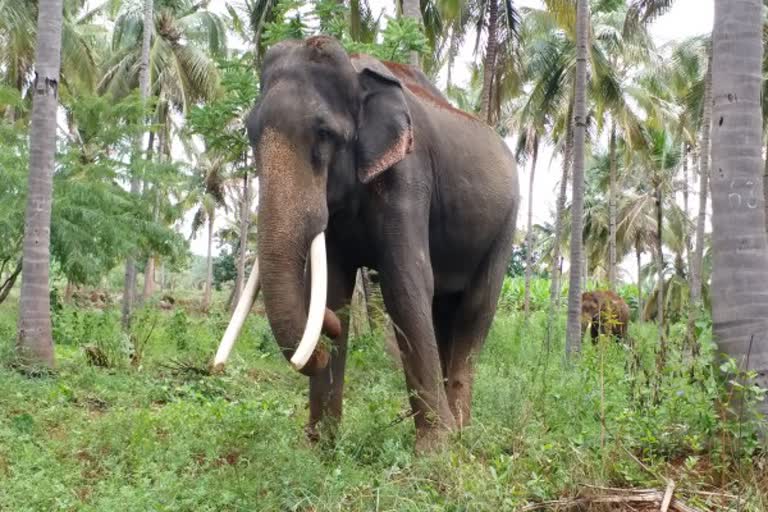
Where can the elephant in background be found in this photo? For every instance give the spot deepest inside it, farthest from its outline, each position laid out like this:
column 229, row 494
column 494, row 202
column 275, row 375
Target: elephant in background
column 604, row 312
column 365, row 164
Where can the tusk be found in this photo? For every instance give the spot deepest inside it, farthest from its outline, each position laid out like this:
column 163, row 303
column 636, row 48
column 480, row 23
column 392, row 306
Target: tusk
column 317, row 297
column 247, row 298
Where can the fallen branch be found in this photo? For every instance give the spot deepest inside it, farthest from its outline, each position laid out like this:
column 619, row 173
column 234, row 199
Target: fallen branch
column 665, row 500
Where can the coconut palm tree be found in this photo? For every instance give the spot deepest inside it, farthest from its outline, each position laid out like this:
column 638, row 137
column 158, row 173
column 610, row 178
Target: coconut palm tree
column 80, row 39
column 642, row 12
column 739, row 304
column 412, row 9
column 661, row 160
column 573, row 330
column 35, row 339
column 184, row 40
column 529, row 142
column 249, row 18
column 673, row 277
column 704, row 160
column 129, row 290
column 551, row 69
column 498, row 21
column 172, row 61
column 614, row 92
column 209, row 194
column 636, row 231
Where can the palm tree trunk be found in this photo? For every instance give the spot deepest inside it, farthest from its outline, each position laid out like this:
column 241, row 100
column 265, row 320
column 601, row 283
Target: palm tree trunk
column 412, row 9
column 129, row 289
column 638, row 256
column 529, row 237
column 686, row 230
column 698, row 256
column 453, row 49
column 209, row 266
column 557, row 268
column 739, row 301
column 149, row 278
column 557, row 257
column 354, row 20
column 573, row 330
column 35, row 339
column 243, row 243
column 612, row 213
column 151, row 265
column 489, row 65
column 765, row 186
column 660, row 270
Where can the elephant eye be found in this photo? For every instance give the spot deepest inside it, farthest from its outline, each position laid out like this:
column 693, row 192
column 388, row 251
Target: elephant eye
column 325, row 135
column 322, row 149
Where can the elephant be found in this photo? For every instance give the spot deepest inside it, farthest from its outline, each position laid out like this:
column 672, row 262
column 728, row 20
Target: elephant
column 604, row 312
column 364, row 163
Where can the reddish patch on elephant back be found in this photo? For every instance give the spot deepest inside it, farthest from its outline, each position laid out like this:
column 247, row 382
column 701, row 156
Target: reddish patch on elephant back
column 416, row 84
column 319, row 41
column 400, row 70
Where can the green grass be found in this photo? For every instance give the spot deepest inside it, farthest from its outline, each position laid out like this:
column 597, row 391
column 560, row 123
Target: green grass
column 157, row 436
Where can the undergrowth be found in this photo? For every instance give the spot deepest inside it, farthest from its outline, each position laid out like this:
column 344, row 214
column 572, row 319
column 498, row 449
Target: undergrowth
column 158, row 433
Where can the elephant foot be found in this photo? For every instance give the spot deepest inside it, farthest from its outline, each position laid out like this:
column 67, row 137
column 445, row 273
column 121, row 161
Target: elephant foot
column 313, row 436
column 322, row 433
column 460, row 399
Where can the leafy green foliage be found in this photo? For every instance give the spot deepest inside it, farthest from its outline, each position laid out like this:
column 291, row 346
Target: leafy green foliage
column 289, row 23
column 13, row 186
column 400, row 36
column 95, row 221
column 221, row 122
column 224, row 270
column 513, row 294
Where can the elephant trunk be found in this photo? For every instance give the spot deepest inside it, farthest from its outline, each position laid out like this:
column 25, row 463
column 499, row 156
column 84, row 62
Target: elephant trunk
column 292, row 219
column 296, row 330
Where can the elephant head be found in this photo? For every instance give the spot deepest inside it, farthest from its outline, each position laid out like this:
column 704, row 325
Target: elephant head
column 323, row 127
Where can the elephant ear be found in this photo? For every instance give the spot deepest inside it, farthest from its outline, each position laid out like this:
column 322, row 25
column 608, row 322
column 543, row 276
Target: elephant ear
column 385, row 133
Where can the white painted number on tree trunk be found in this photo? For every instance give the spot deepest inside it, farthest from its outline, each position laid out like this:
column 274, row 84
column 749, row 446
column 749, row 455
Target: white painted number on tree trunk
column 735, row 199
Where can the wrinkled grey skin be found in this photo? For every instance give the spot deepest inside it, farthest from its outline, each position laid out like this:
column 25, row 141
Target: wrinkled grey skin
column 401, row 182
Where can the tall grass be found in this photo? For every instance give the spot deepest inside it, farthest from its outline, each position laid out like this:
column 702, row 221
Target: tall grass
column 158, row 436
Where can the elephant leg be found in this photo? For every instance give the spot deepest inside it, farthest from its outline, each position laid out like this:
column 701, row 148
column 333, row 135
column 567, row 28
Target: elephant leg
column 407, row 285
column 327, row 387
column 443, row 309
column 472, row 320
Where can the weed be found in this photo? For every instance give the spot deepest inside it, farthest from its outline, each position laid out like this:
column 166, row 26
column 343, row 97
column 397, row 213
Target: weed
column 165, row 435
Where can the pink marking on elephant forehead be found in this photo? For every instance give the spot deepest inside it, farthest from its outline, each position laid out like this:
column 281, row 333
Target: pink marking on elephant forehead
column 392, row 155
column 286, row 175
column 276, row 152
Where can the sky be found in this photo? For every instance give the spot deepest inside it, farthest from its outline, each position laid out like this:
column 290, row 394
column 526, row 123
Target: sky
column 686, row 19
